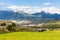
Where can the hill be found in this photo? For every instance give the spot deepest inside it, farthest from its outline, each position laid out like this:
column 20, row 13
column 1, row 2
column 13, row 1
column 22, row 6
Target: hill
column 52, row 25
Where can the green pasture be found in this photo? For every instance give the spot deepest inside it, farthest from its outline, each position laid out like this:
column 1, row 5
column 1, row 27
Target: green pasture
column 48, row 35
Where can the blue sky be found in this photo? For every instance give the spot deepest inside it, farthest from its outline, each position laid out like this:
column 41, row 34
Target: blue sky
column 35, row 3
column 30, row 2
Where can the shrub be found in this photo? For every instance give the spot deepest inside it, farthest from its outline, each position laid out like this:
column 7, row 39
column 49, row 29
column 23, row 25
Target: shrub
column 13, row 24
column 3, row 24
column 9, row 27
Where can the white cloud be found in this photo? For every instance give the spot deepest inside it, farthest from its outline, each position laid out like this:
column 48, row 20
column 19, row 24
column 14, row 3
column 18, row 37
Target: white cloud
column 1, row 4
column 27, row 9
column 47, row 4
column 30, row 9
column 52, row 10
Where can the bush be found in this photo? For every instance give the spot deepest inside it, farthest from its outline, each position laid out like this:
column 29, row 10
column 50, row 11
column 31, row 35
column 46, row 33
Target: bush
column 3, row 24
column 13, row 24
column 2, row 30
column 9, row 27
column 26, row 29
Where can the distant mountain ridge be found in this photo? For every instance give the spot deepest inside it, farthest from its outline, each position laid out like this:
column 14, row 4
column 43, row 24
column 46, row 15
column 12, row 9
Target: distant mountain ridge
column 35, row 18
column 48, row 15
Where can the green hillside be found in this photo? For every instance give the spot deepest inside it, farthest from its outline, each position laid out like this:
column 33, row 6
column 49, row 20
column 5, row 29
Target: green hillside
column 48, row 35
column 52, row 24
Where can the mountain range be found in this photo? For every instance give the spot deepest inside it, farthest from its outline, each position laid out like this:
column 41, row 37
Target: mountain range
column 37, row 17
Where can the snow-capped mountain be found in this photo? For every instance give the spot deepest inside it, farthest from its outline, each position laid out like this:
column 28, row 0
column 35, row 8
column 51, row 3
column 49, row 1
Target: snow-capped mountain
column 35, row 18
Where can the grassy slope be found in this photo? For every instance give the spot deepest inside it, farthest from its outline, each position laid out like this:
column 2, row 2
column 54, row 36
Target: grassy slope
column 51, row 35
column 53, row 22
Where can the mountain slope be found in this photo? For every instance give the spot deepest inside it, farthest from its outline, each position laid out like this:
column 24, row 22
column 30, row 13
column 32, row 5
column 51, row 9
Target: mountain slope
column 48, row 15
column 35, row 18
column 10, row 15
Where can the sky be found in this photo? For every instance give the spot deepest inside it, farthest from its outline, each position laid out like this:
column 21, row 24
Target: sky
column 31, row 6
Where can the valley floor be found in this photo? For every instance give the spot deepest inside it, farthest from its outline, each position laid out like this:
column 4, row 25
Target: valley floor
column 48, row 35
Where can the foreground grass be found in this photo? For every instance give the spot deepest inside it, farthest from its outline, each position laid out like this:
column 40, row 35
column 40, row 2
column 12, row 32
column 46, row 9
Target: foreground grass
column 51, row 35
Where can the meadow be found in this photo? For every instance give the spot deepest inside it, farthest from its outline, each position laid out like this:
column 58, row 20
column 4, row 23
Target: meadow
column 48, row 35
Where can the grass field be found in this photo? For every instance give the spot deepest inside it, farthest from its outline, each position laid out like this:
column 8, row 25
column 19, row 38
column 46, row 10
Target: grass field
column 50, row 35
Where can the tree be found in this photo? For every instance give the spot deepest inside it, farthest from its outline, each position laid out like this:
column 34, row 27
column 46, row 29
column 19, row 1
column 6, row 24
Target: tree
column 9, row 27
column 13, row 24
column 3, row 24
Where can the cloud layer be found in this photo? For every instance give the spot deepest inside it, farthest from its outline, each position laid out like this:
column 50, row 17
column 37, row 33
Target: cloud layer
column 27, row 9
column 30, row 9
